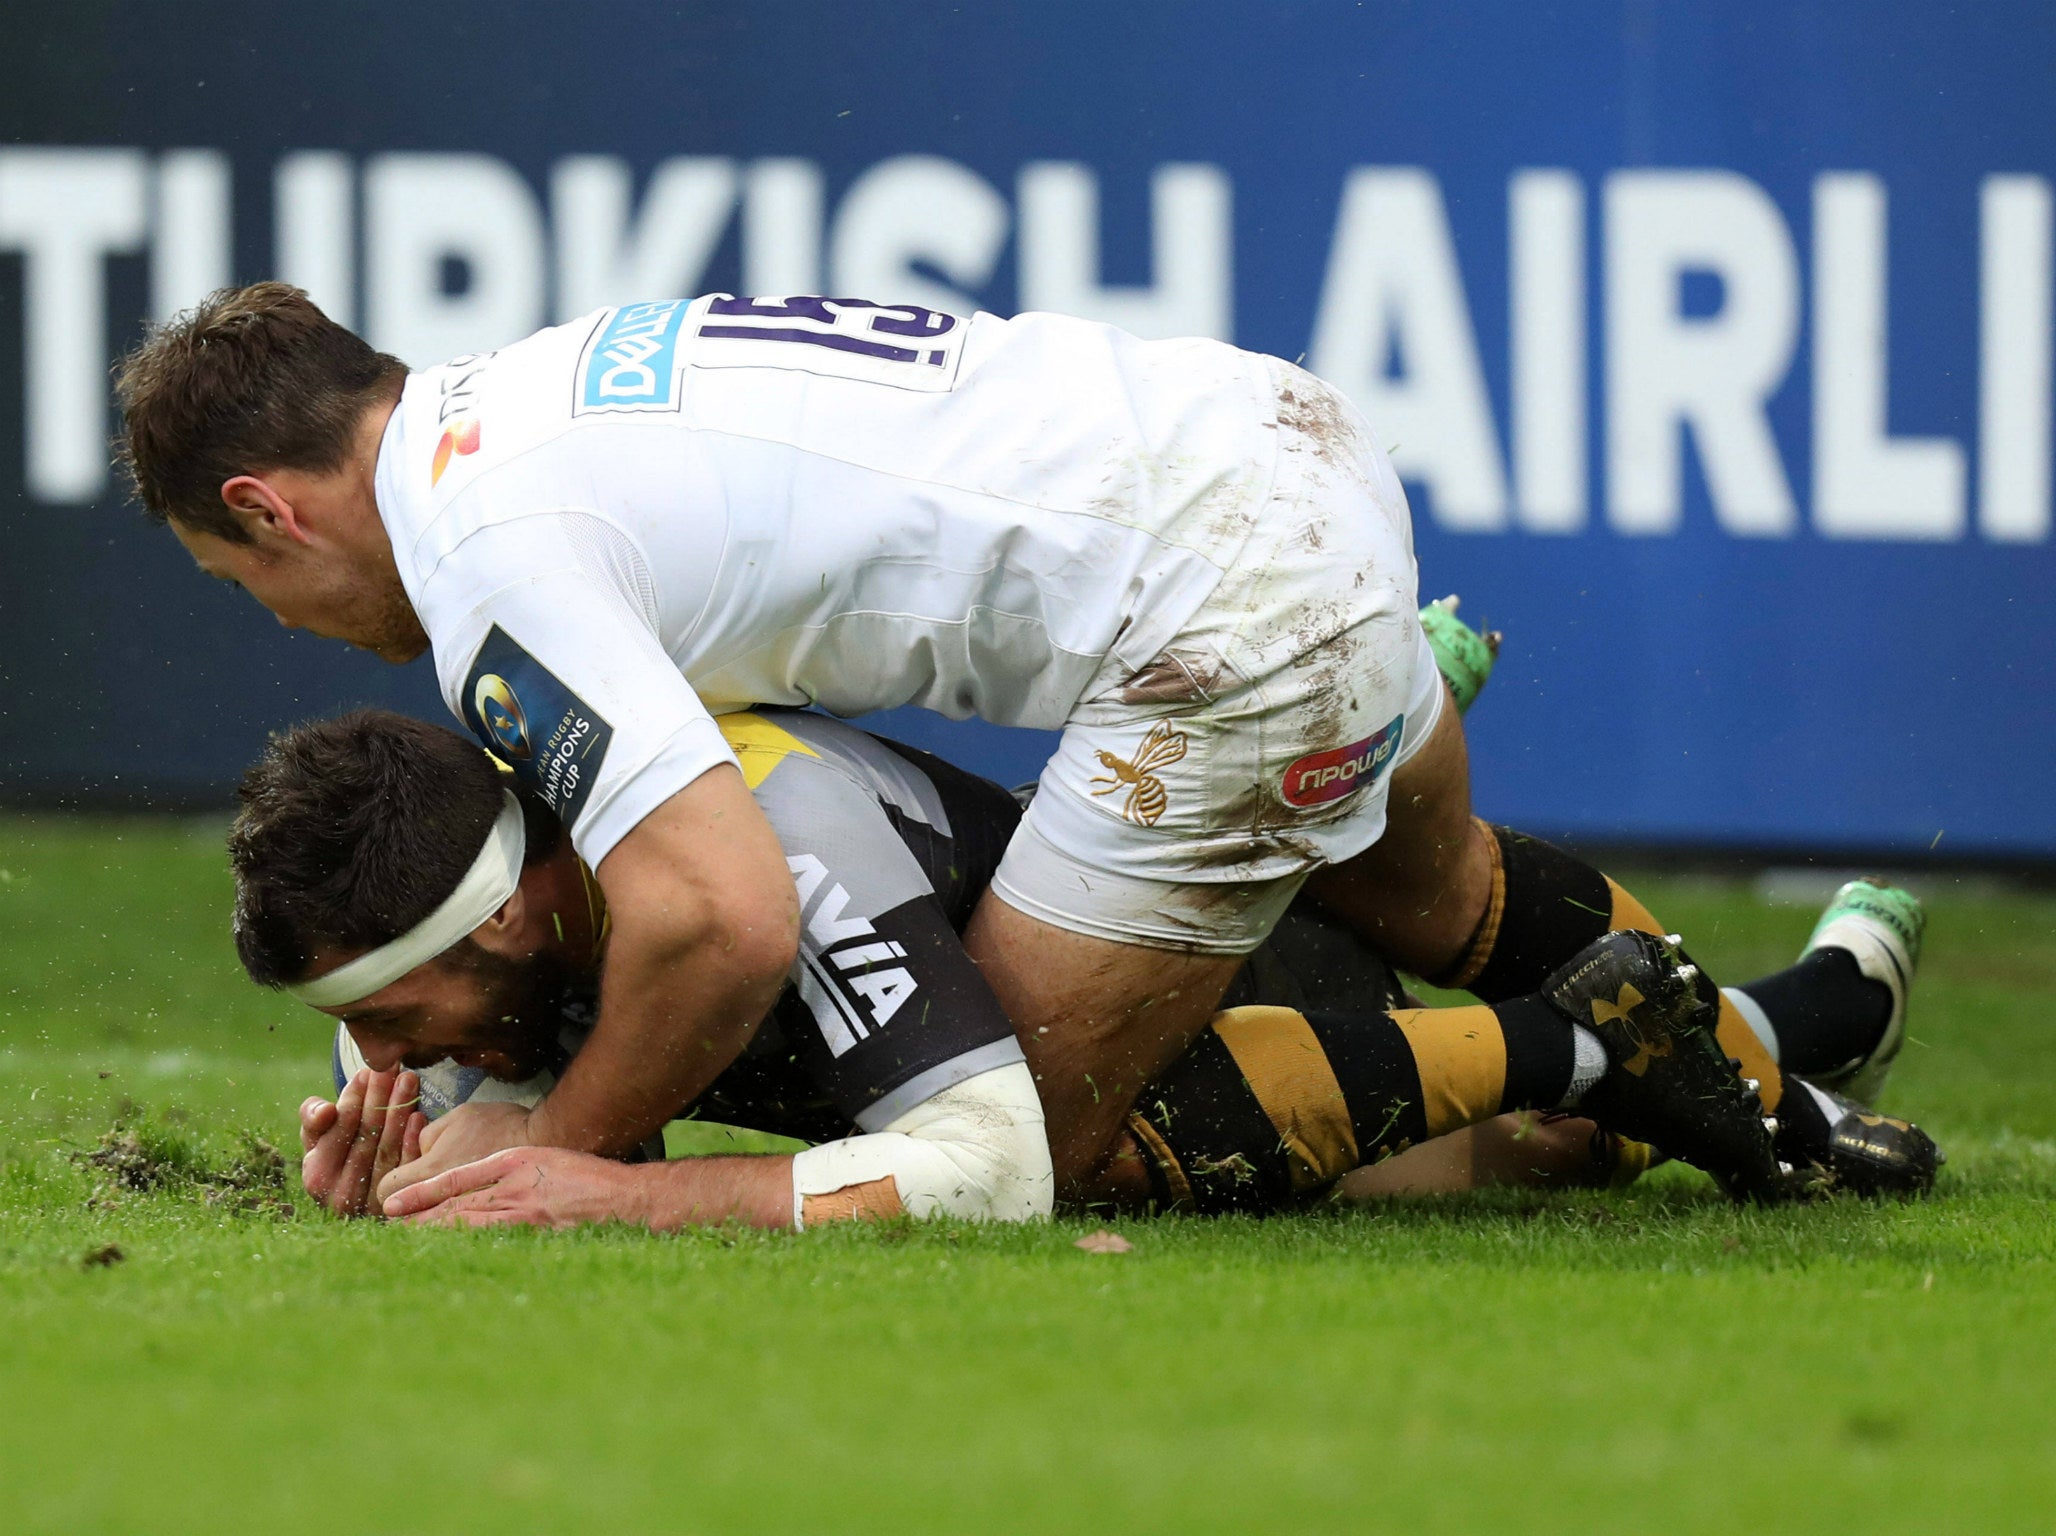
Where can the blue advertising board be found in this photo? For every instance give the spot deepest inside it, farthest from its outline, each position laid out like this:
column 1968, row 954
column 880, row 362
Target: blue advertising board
column 1712, row 340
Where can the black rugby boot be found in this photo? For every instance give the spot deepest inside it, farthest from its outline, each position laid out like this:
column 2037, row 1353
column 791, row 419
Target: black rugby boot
column 1670, row 1084
column 1878, row 1156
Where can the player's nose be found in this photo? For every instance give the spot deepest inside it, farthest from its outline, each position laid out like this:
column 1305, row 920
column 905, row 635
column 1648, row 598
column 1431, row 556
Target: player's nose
column 379, row 1053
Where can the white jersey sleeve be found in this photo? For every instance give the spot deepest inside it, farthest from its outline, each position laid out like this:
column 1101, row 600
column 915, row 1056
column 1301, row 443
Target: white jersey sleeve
column 848, row 504
column 546, row 649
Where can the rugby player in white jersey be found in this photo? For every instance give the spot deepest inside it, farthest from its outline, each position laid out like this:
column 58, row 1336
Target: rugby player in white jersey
column 887, row 1051
column 1193, row 560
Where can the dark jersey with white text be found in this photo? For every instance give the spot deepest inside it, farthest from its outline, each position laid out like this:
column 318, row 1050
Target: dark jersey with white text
column 890, row 849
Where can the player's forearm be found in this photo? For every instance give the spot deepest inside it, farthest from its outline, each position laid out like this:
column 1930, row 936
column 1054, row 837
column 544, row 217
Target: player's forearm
column 704, row 1191
column 676, row 1009
column 705, row 928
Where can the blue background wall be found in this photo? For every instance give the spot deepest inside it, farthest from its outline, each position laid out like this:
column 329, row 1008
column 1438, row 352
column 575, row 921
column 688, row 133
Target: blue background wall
column 1700, row 684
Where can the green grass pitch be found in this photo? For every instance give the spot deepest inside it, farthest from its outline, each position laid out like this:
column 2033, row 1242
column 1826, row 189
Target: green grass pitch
column 1652, row 1361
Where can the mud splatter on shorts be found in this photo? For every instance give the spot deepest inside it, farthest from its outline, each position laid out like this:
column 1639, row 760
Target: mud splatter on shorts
column 1189, row 797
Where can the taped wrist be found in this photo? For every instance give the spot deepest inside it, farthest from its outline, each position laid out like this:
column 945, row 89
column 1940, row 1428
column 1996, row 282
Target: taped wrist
column 976, row 1150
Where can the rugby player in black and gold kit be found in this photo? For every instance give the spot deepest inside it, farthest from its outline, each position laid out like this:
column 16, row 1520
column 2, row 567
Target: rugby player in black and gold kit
column 1315, row 1067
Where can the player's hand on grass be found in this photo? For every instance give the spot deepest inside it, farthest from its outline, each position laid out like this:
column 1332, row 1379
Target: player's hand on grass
column 348, row 1146
column 466, row 1134
column 535, row 1186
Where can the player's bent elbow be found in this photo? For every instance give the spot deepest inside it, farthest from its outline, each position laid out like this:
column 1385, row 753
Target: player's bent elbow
column 754, row 924
column 704, row 873
column 977, row 1151
column 761, row 932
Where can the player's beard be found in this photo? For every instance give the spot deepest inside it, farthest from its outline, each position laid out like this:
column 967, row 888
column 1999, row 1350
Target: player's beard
column 527, row 1006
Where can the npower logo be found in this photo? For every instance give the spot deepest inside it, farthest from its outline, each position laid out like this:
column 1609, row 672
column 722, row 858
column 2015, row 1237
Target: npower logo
column 1611, row 382
column 1321, row 777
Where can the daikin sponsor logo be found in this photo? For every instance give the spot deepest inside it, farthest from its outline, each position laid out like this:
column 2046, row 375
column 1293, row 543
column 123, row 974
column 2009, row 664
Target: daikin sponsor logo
column 631, row 363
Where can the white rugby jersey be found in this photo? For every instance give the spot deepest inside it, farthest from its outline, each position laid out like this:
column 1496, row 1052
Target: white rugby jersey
column 618, row 527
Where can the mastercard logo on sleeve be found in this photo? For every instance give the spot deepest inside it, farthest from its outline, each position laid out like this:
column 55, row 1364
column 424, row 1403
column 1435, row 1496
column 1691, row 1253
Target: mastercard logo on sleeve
column 459, row 438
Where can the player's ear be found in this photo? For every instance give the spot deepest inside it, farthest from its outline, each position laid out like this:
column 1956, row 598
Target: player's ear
column 501, row 932
column 258, row 505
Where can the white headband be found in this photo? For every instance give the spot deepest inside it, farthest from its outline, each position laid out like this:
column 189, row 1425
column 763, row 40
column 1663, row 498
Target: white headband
column 482, row 892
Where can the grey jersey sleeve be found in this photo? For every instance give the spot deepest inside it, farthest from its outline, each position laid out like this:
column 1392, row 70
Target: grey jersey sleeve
column 889, row 850
column 885, row 1009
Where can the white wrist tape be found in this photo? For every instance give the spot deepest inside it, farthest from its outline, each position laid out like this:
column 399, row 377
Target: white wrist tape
column 976, row 1150
column 482, row 892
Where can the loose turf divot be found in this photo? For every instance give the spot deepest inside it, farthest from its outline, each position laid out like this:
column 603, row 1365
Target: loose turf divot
column 138, row 1158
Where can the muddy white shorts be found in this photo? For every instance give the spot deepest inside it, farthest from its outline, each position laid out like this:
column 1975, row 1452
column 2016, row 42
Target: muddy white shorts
column 1187, row 801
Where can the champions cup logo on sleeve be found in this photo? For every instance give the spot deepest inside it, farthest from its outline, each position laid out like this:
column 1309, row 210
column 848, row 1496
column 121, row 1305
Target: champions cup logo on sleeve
column 631, row 361
column 499, row 712
column 1320, row 777
column 459, row 437
column 523, row 714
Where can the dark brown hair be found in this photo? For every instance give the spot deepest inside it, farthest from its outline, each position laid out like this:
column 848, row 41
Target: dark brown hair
column 353, row 830
column 248, row 380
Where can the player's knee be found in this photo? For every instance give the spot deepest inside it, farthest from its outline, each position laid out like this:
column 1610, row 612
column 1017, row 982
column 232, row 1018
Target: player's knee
column 1421, row 898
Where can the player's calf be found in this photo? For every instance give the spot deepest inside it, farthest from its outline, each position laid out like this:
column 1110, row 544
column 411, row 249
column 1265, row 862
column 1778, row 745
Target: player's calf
column 1530, row 1149
column 1834, row 1021
column 1547, row 904
column 1873, row 929
column 1272, row 1105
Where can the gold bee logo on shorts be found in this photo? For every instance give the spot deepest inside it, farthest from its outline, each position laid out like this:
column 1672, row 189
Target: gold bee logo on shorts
column 1146, row 794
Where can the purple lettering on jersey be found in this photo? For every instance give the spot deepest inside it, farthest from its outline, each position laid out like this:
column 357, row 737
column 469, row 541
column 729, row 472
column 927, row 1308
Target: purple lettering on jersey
column 803, row 306
column 827, row 339
column 919, row 321
column 909, row 320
